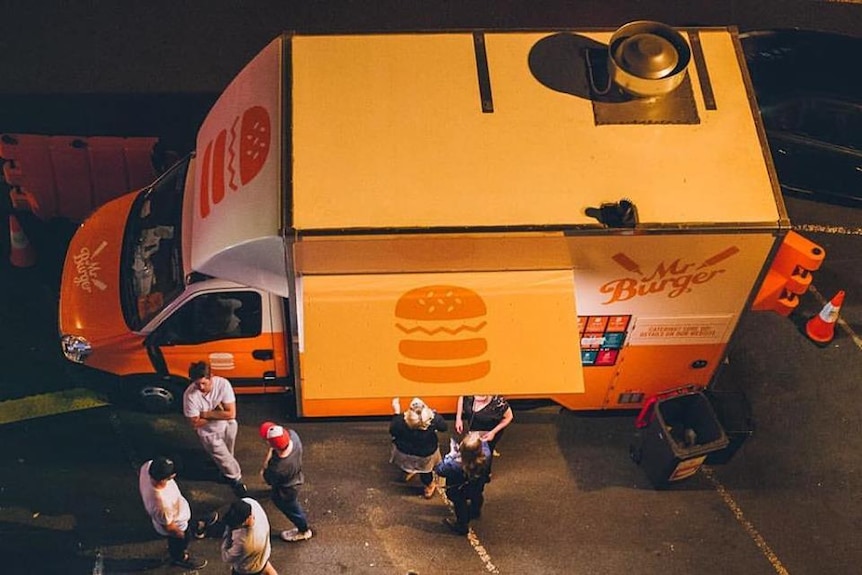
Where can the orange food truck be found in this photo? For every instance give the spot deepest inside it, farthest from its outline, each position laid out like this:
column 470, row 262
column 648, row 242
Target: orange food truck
column 580, row 216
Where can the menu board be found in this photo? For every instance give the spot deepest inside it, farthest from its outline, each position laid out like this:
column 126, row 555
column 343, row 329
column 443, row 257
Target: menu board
column 602, row 338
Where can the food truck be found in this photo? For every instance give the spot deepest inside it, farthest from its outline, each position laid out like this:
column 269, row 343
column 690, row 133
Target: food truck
column 580, row 216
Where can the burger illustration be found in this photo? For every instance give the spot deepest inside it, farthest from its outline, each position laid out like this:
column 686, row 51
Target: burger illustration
column 441, row 327
column 230, row 153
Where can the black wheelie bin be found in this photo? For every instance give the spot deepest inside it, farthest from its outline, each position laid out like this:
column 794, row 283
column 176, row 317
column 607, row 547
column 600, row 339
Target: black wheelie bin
column 676, row 432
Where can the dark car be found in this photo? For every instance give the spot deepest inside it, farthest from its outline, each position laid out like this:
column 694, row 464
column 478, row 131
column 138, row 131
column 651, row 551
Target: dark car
column 809, row 92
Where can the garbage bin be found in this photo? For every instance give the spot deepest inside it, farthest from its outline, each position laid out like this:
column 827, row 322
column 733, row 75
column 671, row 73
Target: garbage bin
column 734, row 414
column 678, row 431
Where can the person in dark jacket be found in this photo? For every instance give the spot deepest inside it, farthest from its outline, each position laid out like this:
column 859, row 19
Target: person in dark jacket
column 488, row 414
column 415, row 447
column 282, row 470
column 466, row 472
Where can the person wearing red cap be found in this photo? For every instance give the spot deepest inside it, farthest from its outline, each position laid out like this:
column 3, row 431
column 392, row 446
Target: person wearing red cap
column 282, row 471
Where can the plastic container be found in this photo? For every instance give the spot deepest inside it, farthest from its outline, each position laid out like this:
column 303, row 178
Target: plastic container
column 678, row 433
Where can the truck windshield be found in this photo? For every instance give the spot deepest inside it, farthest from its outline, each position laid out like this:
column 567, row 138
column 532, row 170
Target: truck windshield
column 151, row 270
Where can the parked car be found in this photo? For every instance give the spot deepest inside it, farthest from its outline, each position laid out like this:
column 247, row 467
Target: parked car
column 810, row 97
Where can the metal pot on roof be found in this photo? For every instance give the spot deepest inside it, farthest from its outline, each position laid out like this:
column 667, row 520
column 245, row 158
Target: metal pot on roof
column 647, row 58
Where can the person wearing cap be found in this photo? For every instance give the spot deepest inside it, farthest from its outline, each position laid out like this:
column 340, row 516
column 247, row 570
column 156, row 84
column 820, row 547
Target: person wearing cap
column 415, row 446
column 209, row 404
column 169, row 511
column 245, row 545
column 282, row 471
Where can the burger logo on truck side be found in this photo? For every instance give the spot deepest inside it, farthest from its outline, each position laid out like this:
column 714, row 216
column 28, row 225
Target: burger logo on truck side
column 441, row 327
column 674, row 278
column 219, row 166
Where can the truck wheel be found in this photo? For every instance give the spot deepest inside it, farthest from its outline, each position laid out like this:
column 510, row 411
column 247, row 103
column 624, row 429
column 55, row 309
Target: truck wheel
column 153, row 394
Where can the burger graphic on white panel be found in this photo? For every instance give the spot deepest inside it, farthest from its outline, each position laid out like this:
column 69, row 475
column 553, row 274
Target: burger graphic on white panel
column 441, row 341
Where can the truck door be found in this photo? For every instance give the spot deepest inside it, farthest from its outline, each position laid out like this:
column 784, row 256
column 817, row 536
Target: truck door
column 230, row 329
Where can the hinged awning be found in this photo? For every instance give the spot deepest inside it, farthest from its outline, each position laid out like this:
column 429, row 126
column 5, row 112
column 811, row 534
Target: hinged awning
column 439, row 334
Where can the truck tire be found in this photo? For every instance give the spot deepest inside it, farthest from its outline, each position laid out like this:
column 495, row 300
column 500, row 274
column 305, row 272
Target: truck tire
column 153, row 394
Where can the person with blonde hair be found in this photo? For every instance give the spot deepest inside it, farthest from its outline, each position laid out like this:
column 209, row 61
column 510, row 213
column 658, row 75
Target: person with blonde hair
column 466, row 471
column 415, row 447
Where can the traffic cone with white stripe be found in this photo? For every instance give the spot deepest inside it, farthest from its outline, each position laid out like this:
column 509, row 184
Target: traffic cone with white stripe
column 821, row 328
column 21, row 253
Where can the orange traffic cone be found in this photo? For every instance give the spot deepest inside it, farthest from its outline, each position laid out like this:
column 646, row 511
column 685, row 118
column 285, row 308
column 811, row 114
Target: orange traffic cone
column 21, row 253
column 821, row 327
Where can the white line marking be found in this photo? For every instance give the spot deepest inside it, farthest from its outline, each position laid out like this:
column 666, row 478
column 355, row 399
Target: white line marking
column 746, row 524
column 99, row 565
column 841, row 323
column 474, row 540
column 839, row 230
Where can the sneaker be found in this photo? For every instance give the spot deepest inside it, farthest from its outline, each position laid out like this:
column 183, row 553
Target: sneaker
column 496, row 453
column 189, row 562
column 203, row 524
column 458, row 528
column 429, row 491
column 239, row 488
column 295, row 535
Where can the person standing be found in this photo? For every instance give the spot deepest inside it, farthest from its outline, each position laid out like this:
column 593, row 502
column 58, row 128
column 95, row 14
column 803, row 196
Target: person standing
column 169, row 511
column 209, row 404
column 282, row 471
column 415, row 446
column 245, row 545
column 488, row 414
column 466, row 471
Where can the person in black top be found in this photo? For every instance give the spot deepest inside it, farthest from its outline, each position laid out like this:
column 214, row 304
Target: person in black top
column 415, row 447
column 487, row 414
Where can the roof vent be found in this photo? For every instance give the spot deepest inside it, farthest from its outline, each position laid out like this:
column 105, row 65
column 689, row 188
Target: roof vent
column 647, row 59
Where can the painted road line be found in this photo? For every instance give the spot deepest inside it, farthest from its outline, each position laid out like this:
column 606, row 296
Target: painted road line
column 836, row 230
column 746, row 524
column 474, row 540
column 841, row 323
column 48, row 404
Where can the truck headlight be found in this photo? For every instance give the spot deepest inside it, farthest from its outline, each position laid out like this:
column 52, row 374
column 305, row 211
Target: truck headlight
column 75, row 348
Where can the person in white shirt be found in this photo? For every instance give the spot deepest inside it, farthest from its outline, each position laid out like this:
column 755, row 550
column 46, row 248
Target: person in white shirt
column 209, row 404
column 246, row 546
column 169, row 511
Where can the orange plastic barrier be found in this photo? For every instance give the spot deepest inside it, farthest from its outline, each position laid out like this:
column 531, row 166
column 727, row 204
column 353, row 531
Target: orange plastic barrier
column 69, row 176
column 789, row 275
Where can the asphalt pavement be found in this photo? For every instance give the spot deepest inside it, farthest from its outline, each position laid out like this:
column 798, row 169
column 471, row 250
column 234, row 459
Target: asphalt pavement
column 566, row 497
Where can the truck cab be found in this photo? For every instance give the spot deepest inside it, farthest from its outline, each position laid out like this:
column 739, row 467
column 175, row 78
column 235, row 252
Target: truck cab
column 130, row 307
